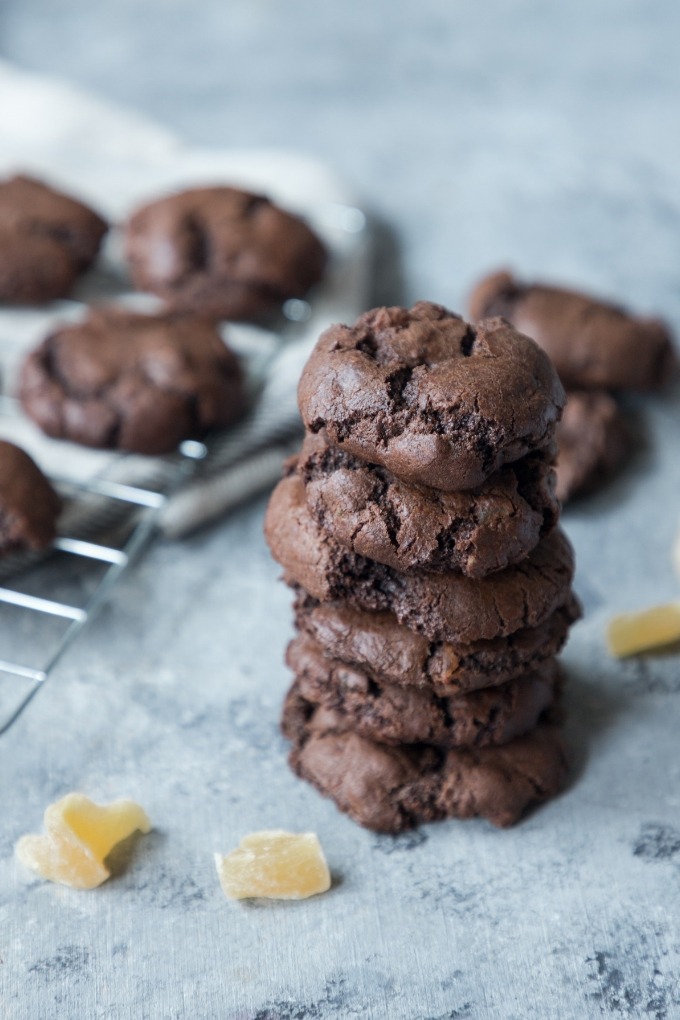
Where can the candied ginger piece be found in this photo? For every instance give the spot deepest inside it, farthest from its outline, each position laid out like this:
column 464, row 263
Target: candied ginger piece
column 80, row 835
column 277, row 864
column 652, row 628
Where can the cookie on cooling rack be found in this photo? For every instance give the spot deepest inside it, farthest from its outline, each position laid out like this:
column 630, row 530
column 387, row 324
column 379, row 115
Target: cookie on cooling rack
column 29, row 506
column 47, row 239
column 126, row 381
column 223, row 251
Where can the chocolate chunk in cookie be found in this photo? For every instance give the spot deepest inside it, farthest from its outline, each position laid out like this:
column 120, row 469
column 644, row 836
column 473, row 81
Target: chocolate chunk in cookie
column 397, row 714
column 132, row 382
column 29, row 506
column 443, row 606
column 593, row 441
column 593, row 344
column 390, row 789
column 223, row 252
column 379, row 644
column 374, row 514
column 436, row 401
column 46, row 240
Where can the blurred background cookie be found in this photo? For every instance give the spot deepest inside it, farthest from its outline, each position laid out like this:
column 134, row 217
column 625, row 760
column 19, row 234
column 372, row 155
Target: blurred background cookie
column 134, row 382
column 594, row 440
column 592, row 343
column 222, row 251
column 29, row 506
column 598, row 349
column 47, row 239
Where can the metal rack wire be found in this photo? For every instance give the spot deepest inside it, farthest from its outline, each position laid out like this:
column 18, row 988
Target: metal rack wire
column 128, row 508
column 114, row 507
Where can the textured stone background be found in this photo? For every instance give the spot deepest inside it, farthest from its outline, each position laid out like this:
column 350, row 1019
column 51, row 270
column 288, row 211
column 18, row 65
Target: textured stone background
column 541, row 135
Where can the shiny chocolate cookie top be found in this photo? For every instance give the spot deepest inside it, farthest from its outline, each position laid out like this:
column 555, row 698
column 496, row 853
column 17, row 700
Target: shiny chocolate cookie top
column 433, row 399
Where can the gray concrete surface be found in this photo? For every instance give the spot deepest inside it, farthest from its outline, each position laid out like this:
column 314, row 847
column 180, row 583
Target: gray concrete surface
column 543, row 135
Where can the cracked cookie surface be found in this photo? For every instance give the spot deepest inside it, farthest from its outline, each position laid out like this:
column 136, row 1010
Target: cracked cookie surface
column 29, row 506
column 223, row 252
column 434, row 400
column 397, row 714
column 443, row 606
column 594, row 344
column 134, row 382
column 373, row 513
column 390, row 789
column 47, row 239
column 377, row 642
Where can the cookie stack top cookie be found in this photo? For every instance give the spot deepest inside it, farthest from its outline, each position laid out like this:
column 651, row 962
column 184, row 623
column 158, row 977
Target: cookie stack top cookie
column 418, row 528
column 433, row 399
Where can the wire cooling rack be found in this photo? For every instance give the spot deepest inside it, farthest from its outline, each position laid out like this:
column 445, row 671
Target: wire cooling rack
column 113, row 503
column 100, row 505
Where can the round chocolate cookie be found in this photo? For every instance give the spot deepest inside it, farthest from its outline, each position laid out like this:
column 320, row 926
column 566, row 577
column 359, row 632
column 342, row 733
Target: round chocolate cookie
column 396, row 714
column 368, row 510
column 132, row 382
column 443, row 606
column 379, row 644
column 436, row 401
column 46, row 240
column 390, row 789
column 29, row 506
column 593, row 441
column 223, row 252
column 592, row 343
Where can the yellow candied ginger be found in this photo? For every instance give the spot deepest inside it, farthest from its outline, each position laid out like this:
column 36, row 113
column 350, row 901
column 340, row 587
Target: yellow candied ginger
column 79, row 836
column 652, row 628
column 279, row 865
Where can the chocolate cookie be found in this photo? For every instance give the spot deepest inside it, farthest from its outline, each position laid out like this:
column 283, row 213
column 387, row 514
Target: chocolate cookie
column 593, row 441
column 132, row 382
column 436, row 401
column 592, row 343
column 366, row 509
column 379, row 644
column 224, row 252
column 396, row 714
column 445, row 606
column 46, row 240
column 390, row 789
column 29, row 506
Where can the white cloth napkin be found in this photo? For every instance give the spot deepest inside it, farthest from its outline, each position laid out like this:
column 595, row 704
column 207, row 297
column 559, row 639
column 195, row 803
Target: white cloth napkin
column 115, row 159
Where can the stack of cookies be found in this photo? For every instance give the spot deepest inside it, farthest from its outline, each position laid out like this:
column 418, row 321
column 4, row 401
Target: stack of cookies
column 433, row 588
